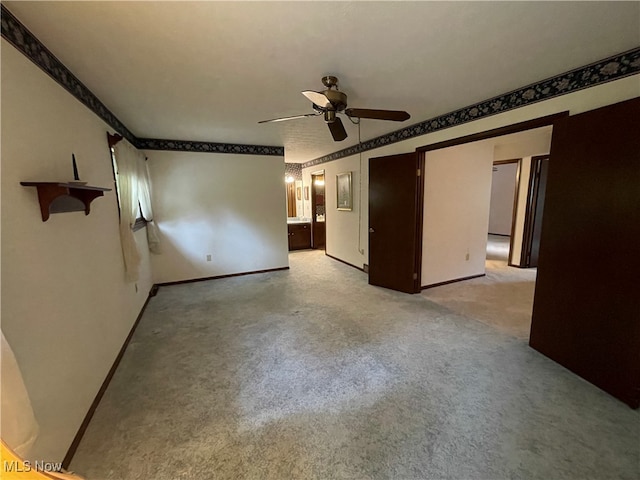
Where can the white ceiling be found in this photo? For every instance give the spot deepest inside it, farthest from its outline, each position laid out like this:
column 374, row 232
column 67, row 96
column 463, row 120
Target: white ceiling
column 210, row 71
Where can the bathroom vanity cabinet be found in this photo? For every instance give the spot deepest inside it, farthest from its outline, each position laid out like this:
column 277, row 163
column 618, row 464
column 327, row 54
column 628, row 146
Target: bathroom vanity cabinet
column 299, row 235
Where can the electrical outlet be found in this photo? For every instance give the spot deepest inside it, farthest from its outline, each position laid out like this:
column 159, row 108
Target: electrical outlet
column 208, row 257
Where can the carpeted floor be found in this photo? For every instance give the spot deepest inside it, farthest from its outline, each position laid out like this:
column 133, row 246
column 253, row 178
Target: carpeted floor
column 503, row 298
column 312, row 373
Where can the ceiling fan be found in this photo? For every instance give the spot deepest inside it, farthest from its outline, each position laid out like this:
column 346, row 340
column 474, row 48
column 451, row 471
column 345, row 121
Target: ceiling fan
column 332, row 101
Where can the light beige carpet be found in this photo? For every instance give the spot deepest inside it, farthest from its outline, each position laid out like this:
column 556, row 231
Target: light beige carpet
column 502, row 299
column 312, row 373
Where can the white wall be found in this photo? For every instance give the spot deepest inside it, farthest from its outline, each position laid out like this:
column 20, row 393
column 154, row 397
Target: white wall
column 232, row 207
column 341, row 223
column 518, row 145
column 347, row 232
column 66, row 309
column 521, row 209
column 503, row 188
column 457, row 189
column 344, row 239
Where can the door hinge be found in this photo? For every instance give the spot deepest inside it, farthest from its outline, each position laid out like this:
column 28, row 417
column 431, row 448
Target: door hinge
column 418, row 172
column 415, row 276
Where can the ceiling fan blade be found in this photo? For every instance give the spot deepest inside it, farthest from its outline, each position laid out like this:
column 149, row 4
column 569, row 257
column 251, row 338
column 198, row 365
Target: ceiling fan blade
column 337, row 130
column 282, row 119
column 317, row 98
column 394, row 115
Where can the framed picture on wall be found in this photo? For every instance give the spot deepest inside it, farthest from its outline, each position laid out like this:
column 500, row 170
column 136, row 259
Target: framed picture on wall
column 306, row 193
column 299, row 193
column 344, row 192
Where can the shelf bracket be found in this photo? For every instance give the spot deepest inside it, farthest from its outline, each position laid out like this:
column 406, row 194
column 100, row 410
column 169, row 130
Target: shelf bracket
column 49, row 192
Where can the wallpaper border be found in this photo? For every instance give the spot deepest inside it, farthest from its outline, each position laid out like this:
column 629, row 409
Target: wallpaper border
column 207, row 147
column 606, row 70
column 612, row 68
column 29, row 45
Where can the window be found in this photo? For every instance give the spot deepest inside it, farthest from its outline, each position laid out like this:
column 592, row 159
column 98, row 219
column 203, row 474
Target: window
column 133, row 188
column 140, row 220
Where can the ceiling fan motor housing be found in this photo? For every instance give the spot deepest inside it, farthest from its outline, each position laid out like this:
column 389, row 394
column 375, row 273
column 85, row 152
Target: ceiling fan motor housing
column 332, row 101
column 338, row 99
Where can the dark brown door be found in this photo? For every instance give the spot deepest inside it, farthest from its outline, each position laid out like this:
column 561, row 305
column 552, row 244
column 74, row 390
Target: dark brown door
column 535, row 209
column 318, row 239
column 536, row 231
column 586, row 312
column 395, row 221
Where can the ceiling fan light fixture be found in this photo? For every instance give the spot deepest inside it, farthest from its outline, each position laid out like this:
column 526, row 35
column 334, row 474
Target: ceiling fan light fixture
column 330, row 116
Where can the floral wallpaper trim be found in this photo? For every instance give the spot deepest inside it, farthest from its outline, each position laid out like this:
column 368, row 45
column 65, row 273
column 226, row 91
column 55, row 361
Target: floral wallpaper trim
column 207, row 147
column 606, row 70
column 28, row 44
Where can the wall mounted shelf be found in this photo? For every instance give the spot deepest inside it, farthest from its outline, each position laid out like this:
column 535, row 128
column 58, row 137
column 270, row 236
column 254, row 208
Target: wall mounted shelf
column 58, row 197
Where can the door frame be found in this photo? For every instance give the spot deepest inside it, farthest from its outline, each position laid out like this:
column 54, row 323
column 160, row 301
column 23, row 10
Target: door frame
column 514, row 208
column 419, row 222
column 314, row 228
column 497, row 132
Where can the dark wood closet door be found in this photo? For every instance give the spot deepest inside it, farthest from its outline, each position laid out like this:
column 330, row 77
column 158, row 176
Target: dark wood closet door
column 395, row 221
column 586, row 312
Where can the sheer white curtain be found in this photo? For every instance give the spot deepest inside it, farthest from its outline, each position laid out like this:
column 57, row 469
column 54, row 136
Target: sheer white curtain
column 127, row 156
column 144, row 185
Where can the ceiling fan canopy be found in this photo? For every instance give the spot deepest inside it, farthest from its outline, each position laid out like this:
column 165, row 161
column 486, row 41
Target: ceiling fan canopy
column 332, row 101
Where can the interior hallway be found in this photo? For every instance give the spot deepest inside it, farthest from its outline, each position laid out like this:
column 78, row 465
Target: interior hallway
column 312, row 373
column 503, row 298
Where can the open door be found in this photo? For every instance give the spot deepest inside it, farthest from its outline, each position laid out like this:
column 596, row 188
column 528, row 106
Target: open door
column 586, row 311
column 535, row 209
column 395, row 221
column 318, row 230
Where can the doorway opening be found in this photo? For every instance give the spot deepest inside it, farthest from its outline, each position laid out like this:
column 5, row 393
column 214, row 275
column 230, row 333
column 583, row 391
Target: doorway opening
column 496, row 289
column 318, row 229
column 502, row 208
